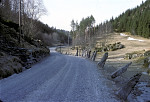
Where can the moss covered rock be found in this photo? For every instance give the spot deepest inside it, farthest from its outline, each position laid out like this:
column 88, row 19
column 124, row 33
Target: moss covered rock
column 137, row 54
column 146, row 62
column 110, row 47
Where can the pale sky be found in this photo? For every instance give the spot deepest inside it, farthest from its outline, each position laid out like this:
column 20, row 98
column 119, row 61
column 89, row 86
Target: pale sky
column 61, row 12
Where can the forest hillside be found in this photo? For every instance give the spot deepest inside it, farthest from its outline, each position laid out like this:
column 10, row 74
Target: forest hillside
column 136, row 20
column 125, row 37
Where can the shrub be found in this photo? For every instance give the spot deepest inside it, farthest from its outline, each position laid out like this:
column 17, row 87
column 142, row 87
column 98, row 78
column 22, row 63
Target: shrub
column 146, row 62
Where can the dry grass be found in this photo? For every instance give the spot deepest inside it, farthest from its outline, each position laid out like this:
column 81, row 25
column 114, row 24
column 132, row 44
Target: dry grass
column 130, row 46
column 116, row 58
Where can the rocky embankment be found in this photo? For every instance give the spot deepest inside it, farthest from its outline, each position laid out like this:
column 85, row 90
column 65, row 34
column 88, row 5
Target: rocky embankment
column 17, row 56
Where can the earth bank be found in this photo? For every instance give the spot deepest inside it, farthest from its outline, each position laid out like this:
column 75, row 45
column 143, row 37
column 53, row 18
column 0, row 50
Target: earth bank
column 17, row 56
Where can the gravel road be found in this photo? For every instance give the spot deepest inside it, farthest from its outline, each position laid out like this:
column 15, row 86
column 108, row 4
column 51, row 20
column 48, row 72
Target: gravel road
column 58, row 78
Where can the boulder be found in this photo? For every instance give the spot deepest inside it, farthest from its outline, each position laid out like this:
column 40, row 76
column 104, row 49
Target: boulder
column 110, row 47
column 137, row 54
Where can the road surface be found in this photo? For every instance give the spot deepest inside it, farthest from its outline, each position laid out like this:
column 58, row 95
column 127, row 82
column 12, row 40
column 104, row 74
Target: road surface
column 58, row 78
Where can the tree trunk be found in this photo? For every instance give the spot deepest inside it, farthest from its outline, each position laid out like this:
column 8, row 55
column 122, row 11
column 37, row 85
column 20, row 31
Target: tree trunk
column 120, row 71
column 103, row 60
column 129, row 86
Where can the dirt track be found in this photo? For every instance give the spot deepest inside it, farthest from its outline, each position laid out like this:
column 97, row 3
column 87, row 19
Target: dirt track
column 58, row 78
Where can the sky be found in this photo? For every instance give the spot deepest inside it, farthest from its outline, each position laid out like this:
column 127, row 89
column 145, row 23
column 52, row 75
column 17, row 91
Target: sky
column 62, row 12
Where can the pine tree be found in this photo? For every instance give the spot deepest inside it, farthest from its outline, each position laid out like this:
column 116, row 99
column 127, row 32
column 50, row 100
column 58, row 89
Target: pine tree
column 136, row 20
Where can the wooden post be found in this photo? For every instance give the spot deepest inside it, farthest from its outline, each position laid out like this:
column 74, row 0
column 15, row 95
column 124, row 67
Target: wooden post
column 68, row 43
column 82, row 53
column 60, row 48
column 85, row 53
column 103, row 60
column 129, row 86
column 89, row 54
column 77, row 52
column 94, row 56
column 120, row 71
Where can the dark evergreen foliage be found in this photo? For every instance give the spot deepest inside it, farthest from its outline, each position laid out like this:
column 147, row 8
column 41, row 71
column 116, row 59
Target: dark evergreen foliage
column 136, row 21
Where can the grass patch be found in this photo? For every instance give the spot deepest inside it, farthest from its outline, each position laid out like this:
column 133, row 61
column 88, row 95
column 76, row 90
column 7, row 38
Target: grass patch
column 140, row 60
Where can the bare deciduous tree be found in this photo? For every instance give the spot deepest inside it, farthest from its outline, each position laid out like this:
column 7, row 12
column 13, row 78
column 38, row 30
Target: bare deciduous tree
column 32, row 10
